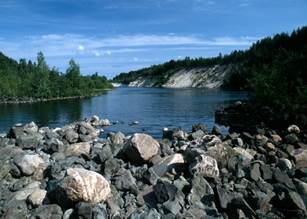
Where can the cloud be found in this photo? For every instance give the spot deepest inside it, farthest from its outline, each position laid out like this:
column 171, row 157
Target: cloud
column 116, row 53
column 81, row 48
column 73, row 44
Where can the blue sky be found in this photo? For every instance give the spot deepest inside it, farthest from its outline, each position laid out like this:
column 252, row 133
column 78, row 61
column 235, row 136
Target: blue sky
column 113, row 36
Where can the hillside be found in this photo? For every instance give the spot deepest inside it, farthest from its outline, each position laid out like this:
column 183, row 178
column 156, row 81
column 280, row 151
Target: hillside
column 200, row 77
column 242, row 66
column 25, row 80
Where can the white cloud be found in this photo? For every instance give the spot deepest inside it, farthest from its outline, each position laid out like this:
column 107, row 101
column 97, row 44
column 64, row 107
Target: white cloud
column 71, row 44
column 81, row 48
column 135, row 59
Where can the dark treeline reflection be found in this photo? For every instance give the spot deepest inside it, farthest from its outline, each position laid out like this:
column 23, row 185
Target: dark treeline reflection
column 44, row 113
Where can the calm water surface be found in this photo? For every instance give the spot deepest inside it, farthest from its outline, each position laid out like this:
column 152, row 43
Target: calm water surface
column 154, row 108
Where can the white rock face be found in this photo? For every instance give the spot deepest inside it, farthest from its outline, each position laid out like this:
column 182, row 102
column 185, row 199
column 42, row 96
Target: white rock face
column 141, row 148
column 78, row 149
column 30, row 163
column 206, row 166
column 84, row 185
column 209, row 77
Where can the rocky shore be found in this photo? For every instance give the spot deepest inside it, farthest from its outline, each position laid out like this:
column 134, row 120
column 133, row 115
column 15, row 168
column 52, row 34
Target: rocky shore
column 71, row 172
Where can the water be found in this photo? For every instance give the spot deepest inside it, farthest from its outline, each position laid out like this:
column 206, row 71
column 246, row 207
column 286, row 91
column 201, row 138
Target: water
column 153, row 108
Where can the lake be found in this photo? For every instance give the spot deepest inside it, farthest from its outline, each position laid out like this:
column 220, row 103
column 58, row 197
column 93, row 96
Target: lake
column 153, row 108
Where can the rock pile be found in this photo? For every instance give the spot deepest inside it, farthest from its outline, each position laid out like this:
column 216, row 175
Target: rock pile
column 71, row 172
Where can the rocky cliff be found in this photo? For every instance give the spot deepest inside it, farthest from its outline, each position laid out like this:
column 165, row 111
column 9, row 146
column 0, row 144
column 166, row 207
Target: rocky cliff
column 205, row 77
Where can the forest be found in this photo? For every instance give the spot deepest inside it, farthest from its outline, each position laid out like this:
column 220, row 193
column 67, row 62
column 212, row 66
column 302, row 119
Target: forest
column 26, row 79
column 273, row 70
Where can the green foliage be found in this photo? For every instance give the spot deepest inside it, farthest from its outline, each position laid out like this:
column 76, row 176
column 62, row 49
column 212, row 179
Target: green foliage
column 273, row 70
column 27, row 79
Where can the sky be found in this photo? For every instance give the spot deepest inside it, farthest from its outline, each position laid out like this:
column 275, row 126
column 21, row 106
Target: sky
column 114, row 36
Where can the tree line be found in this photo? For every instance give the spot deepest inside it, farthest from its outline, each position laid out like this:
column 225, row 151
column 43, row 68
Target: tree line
column 37, row 80
column 273, row 70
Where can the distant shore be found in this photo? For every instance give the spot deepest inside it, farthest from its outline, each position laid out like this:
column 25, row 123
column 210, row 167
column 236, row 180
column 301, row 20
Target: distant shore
column 23, row 100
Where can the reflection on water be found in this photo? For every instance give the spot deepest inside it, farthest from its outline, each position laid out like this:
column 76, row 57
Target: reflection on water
column 154, row 108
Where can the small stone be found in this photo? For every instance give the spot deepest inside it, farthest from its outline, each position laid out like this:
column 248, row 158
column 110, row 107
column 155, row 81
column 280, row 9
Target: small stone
column 276, row 138
column 199, row 126
column 261, row 140
column 123, row 180
column 245, row 155
column 238, row 142
column 141, row 148
column 77, row 149
column 198, row 134
column 84, row 185
column 117, row 138
column 216, row 131
column 37, row 197
column 47, row 211
column 68, row 214
column 269, row 146
column 175, row 161
column 300, row 156
column 294, row 129
column 266, row 171
column 164, row 191
column 29, row 141
column 29, row 163
column 105, row 122
column 283, row 178
column 205, row 165
column 284, row 164
column 83, row 210
column 255, row 172
column 296, row 200
column 71, row 136
column 94, row 120
column 291, row 138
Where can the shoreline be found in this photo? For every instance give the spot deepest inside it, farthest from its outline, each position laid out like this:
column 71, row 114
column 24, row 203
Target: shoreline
column 30, row 100
column 200, row 172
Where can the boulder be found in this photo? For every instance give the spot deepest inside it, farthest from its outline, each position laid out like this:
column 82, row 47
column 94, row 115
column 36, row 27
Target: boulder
column 141, row 148
column 47, row 211
column 294, row 129
column 117, row 138
column 71, row 136
column 205, row 165
column 94, row 120
column 300, row 156
column 164, row 191
column 77, row 149
column 244, row 155
column 30, row 141
column 123, row 180
column 84, row 185
column 29, row 164
column 296, row 201
column 105, row 122
column 37, row 197
column 255, row 172
column 83, row 210
column 167, row 163
column 54, row 145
